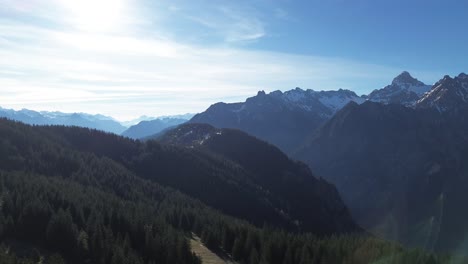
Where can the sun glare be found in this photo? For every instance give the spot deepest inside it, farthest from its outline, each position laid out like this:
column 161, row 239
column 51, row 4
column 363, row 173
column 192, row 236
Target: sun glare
column 92, row 15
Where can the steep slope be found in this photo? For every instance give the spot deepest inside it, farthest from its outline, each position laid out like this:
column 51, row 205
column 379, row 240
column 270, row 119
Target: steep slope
column 99, row 122
column 283, row 119
column 290, row 185
column 151, row 127
column 404, row 90
column 401, row 171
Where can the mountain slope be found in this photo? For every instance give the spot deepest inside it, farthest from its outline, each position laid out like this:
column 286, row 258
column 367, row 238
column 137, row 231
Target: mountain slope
column 400, row 171
column 99, row 122
column 290, row 185
column 272, row 116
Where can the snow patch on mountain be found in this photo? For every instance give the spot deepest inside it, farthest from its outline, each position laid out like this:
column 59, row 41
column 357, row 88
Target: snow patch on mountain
column 448, row 94
column 338, row 102
column 326, row 102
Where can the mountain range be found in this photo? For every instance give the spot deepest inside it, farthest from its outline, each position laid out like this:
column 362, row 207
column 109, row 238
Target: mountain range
column 141, row 127
column 287, row 119
column 269, row 116
column 136, row 121
column 31, row 117
column 395, row 155
column 283, row 119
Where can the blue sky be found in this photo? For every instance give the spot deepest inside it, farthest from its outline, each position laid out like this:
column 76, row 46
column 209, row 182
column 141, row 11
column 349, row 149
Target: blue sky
column 127, row 58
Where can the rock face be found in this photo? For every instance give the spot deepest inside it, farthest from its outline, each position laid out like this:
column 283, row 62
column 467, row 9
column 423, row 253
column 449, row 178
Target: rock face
column 404, row 90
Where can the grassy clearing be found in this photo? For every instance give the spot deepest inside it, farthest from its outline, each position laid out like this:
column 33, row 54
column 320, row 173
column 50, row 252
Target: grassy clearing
column 208, row 256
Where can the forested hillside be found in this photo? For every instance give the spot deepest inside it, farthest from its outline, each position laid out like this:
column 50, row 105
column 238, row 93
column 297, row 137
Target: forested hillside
column 311, row 202
column 60, row 204
column 288, row 196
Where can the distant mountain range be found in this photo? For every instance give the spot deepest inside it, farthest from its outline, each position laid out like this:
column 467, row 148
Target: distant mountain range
column 99, row 122
column 287, row 119
column 282, row 118
column 136, row 121
column 138, row 128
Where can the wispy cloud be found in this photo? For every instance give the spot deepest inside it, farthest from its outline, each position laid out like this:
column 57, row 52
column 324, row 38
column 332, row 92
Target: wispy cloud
column 130, row 73
column 224, row 20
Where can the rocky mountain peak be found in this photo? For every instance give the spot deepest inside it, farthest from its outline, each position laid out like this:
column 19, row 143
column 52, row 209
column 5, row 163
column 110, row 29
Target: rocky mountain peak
column 405, row 78
column 463, row 76
column 261, row 93
column 405, row 90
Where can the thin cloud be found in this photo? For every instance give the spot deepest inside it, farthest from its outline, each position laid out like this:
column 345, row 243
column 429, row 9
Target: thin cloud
column 126, row 75
column 231, row 23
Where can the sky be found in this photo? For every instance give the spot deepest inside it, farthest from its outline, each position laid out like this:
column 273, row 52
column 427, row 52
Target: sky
column 127, row 58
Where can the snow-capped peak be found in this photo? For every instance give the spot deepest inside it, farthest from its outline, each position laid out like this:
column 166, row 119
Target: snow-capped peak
column 404, row 90
column 295, row 95
column 335, row 100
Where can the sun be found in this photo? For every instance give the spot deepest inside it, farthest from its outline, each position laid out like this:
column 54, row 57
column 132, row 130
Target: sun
column 94, row 15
